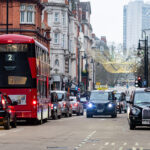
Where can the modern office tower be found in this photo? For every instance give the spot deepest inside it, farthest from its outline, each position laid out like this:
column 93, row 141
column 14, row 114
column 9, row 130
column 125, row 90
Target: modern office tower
column 136, row 17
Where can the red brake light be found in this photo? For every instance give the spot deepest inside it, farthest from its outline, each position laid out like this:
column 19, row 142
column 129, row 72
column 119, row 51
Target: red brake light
column 76, row 104
column 34, row 102
column 64, row 104
column 52, row 106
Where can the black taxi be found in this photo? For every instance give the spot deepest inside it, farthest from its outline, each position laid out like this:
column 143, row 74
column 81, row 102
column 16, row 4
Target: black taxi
column 139, row 108
column 102, row 103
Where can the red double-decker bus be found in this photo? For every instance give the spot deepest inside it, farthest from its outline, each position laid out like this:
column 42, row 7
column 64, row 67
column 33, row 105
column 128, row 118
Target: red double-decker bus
column 24, row 76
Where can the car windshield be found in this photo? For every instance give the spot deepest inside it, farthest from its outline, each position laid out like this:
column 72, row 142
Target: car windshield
column 60, row 96
column 142, row 98
column 117, row 95
column 101, row 96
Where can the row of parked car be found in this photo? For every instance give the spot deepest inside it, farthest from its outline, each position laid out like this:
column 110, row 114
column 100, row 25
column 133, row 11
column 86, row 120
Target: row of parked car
column 64, row 105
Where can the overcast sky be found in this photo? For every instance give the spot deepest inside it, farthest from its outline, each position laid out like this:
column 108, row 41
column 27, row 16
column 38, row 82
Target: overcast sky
column 107, row 18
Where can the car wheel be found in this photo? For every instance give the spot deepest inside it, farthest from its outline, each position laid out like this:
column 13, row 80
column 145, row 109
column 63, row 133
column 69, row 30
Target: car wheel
column 14, row 123
column 132, row 126
column 120, row 110
column 82, row 112
column 55, row 116
column 70, row 115
column 89, row 116
column 67, row 114
column 7, row 123
column 114, row 116
column 41, row 121
column 59, row 117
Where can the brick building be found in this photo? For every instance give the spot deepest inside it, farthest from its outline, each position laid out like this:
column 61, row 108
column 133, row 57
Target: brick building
column 25, row 17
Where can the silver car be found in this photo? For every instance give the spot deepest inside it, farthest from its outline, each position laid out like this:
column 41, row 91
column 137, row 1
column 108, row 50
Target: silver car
column 63, row 99
column 77, row 106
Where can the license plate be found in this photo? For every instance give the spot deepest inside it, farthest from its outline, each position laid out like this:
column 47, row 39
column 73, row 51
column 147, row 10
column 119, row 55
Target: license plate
column 145, row 122
column 100, row 110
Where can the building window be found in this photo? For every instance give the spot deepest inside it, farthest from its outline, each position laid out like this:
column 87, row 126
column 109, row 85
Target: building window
column 27, row 14
column 64, row 19
column 56, row 38
column 56, row 18
column 57, row 62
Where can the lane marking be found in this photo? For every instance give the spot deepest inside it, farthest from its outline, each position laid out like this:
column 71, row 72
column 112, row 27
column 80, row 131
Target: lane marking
column 124, row 144
column 136, row 144
column 112, row 144
column 85, row 140
column 133, row 148
column 121, row 148
column 107, row 143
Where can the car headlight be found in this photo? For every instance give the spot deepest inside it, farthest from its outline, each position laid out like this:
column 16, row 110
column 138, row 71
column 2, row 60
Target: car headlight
column 90, row 105
column 135, row 111
column 110, row 105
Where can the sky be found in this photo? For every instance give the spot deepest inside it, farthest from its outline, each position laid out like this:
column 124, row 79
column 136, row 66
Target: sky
column 107, row 19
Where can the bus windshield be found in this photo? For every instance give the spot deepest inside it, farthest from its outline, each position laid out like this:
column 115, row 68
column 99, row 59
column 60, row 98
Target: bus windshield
column 15, row 70
column 13, row 48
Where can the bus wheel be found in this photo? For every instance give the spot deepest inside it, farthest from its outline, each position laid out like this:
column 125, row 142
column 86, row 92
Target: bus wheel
column 41, row 121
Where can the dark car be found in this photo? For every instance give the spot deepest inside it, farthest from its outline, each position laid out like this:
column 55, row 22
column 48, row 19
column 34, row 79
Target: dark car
column 139, row 108
column 56, row 111
column 121, row 102
column 63, row 98
column 102, row 103
column 7, row 112
column 77, row 106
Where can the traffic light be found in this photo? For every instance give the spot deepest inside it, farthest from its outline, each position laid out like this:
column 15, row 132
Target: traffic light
column 139, row 82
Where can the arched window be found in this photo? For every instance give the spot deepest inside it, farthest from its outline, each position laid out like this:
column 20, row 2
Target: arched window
column 57, row 62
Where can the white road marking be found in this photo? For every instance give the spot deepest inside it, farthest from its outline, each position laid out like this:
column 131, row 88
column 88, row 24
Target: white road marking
column 85, row 140
column 112, row 144
column 136, row 144
column 133, row 148
column 141, row 148
column 121, row 148
column 124, row 144
column 106, row 143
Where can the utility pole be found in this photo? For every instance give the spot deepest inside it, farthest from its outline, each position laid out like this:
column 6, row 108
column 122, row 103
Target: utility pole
column 7, row 11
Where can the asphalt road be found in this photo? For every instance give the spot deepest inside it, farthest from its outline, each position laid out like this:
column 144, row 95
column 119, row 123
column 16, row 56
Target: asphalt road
column 76, row 133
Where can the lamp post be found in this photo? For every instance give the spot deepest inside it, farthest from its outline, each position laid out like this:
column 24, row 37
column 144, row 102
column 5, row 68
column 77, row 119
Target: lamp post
column 145, row 56
column 92, row 61
column 7, row 11
column 79, row 47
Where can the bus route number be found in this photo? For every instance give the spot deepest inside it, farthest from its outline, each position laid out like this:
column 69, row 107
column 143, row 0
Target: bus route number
column 9, row 57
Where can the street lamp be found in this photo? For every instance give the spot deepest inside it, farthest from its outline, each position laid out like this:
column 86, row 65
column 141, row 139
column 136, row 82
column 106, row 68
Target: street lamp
column 145, row 56
column 92, row 61
column 86, row 68
column 79, row 47
column 7, row 11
